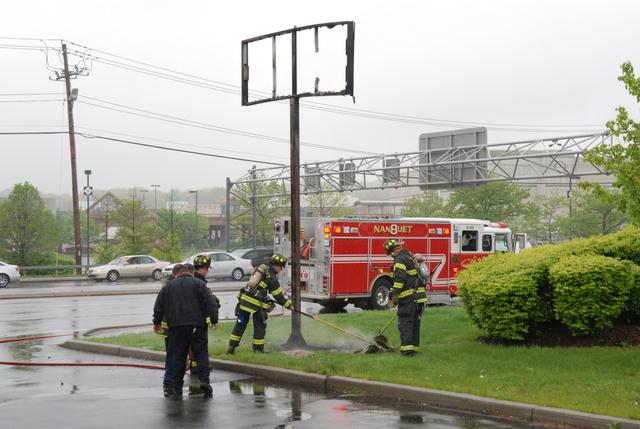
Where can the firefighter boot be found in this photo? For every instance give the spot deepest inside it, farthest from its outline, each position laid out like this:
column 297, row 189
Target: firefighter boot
column 259, row 349
column 232, row 349
column 207, row 390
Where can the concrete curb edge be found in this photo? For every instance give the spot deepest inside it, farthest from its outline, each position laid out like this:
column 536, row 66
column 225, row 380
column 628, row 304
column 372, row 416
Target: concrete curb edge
column 431, row 397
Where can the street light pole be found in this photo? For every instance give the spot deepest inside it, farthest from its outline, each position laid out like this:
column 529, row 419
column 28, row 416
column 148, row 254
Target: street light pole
column 155, row 198
column 88, row 191
column 196, row 192
column 144, row 191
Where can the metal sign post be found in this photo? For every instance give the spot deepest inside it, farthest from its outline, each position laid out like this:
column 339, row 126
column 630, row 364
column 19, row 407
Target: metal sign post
column 296, row 338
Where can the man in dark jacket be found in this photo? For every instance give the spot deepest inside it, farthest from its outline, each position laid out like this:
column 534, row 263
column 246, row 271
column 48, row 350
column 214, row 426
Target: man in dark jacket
column 254, row 302
column 408, row 294
column 186, row 303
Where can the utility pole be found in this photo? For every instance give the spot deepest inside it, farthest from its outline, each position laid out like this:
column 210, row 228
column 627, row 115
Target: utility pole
column 88, row 191
column 155, row 198
column 227, row 217
column 196, row 192
column 74, row 173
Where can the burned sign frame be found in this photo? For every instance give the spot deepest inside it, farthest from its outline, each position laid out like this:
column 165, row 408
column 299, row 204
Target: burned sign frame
column 296, row 338
column 349, row 52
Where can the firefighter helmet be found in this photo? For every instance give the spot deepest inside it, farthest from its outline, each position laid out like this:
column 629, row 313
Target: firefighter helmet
column 391, row 244
column 278, row 259
column 202, row 261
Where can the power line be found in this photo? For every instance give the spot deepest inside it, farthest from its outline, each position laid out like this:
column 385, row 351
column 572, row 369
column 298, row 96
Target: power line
column 178, row 143
column 28, row 133
column 113, row 139
column 372, row 114
column 28, row 101
column 203, row 125
column 20, row 94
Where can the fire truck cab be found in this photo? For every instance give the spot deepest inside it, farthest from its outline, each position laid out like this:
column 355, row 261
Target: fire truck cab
column 343, row 259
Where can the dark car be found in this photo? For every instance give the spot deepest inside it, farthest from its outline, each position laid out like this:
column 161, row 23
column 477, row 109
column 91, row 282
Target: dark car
column 260, row 255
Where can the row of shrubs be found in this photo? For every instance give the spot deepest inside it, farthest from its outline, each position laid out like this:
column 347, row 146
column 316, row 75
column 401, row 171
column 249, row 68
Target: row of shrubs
column 585, row 284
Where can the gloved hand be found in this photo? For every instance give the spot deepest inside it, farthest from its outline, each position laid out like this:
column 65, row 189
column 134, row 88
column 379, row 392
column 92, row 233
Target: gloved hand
column 395, row 299
column 287, row 304
column 157, row 328
column 217, row 301
column 390, row 304
column 271, row 307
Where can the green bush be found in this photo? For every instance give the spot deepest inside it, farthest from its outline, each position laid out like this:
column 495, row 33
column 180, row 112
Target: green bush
column 590, row 291
column 633, row 302
column 49, row 259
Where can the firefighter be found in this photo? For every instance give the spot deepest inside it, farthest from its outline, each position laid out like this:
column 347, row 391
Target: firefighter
column 201, row 265
column 253, row 301
column 164, row 330
column 186, row 302
column 407, row 294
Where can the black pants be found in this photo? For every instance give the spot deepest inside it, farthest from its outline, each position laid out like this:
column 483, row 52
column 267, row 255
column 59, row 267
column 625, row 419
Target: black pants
column 180, row 339
column 259, row 328
column 409, row 315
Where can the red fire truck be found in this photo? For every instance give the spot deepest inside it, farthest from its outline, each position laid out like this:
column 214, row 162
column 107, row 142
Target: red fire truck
column 343, row 260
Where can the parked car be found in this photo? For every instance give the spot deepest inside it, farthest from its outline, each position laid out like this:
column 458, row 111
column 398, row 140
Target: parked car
column 223, row 265
column 259, row 255
column 141, row 266
column 8, row 273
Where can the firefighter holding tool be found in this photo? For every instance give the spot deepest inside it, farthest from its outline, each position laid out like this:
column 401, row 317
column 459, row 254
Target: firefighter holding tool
column 408, row 293
column 253, row 302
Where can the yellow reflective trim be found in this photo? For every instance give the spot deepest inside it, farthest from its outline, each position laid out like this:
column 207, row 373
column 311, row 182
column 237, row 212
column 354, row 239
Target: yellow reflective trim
column 405, row 293
column 259, row 342
column 398, row 285
column 251, row 300
column 164, row 324
column 407, row 348
column 400, row 266
column 421, row 300
column 266, row 305
column 247, row 309
column 277, row 291
column 234, row 337
column 262, row 284
column 412, row 272
column 420, row 289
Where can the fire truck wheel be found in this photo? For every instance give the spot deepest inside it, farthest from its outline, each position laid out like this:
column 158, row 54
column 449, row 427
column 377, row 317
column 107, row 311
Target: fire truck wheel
column 380, row 294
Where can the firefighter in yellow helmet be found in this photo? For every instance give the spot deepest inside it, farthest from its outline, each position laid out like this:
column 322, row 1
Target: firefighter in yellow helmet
column 408, row 294
column 253, row 302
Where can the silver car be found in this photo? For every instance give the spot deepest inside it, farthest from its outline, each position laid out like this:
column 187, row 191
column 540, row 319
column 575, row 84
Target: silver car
column 223, row 265
column 8, row 273
column 140, row 266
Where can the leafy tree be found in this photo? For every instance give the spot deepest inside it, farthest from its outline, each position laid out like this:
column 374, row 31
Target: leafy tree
column 267, row 210
column 170, row 249
column 623, row 161
column 426, row 204
column 327, row 203
column 496, row 201
column 105, row 252
column 27, row 227
column 184, row 225
column 551, row 210
column 595, row 211
column 135, row 233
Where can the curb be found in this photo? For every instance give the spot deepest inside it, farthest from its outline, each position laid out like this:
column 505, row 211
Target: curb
column 103, row 292
column 424, row 396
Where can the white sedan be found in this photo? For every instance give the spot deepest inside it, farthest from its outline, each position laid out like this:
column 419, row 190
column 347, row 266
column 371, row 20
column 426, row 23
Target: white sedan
column 8, row 273
column 223, row 265
column 141, row 266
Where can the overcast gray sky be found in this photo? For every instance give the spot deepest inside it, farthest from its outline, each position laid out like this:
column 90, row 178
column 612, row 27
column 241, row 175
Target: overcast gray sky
column 485, row 62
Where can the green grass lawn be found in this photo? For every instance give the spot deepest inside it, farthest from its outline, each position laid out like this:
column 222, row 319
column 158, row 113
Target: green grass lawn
column 602, row 380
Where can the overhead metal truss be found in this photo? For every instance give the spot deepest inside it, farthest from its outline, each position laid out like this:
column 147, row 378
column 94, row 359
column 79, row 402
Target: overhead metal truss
column 558, row 157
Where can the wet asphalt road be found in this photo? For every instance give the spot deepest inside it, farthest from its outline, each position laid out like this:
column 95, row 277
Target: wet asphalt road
column 95, row 397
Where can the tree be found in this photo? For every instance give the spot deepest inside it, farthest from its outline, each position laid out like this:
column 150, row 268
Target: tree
column 135, row 233
column 267, row 209
column 27, row 227
column 496, row 201
column 184, row 225
column 595, row 211
column 327, row 203
column 623, row 161
column 171, row 248
column 426, row 204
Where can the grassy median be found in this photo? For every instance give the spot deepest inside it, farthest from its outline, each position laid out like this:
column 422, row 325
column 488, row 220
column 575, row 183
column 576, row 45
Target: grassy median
column 602, row 380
